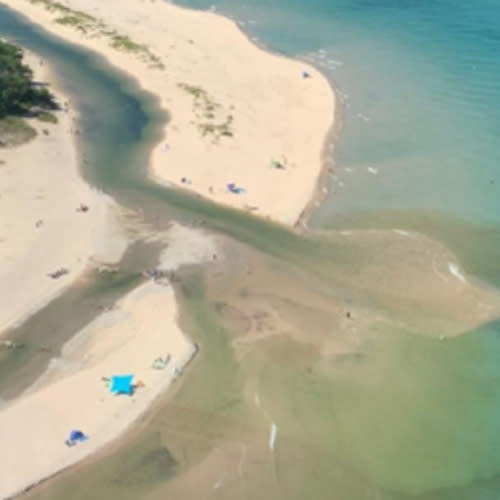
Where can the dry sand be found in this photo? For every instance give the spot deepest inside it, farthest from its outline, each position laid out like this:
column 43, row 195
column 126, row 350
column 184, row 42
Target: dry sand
column 40, row 227
column 73, row 396
column 71, row 393
column 276, row 113
column 42, row 230
column 271, row 113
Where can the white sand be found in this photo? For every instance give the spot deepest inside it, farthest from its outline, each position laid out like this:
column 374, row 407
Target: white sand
column 73, row 396
column 40, row 182
column 277, row 114
column 71, row 393
column 41, row 230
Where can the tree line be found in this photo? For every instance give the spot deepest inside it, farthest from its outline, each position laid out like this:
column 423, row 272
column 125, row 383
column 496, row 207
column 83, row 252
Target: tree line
column 19, row 94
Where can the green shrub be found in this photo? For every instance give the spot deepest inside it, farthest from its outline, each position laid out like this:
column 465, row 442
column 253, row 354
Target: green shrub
column 14, row 131
column 46, row 117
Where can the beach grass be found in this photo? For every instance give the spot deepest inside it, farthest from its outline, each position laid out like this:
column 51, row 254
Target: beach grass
column 206, row 107
column 217, row 129
column 15, row 131
column 46, row 117
column 88, row 24
column 73, row 21
column 196, row 91
column 123, row 42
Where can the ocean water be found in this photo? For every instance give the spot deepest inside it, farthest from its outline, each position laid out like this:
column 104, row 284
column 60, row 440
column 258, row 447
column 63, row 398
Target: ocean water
column 406, row 417
column 420, row 81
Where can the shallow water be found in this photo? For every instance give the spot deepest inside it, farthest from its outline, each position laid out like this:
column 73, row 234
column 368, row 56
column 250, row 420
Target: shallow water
column 421, row 85
column 372, row 406
column 395, row 415
column 39, row 339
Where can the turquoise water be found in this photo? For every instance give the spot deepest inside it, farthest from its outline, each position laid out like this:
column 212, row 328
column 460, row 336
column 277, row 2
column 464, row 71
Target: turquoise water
column 421, row 83
column 415, row 418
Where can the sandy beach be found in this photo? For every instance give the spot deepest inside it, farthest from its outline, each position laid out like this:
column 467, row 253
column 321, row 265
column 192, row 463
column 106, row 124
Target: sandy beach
column 239, row 116
column 41, row 227
column 246, row 129
column 72, row 394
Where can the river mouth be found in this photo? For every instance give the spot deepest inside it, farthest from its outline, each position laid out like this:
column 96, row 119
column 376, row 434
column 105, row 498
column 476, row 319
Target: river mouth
column 329, row 336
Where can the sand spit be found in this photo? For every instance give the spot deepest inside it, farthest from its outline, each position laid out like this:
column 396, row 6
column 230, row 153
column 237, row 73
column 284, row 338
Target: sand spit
column 42, row 226
column 246, row 130
column 51, row 219
column 72, row 395
column 239, row 116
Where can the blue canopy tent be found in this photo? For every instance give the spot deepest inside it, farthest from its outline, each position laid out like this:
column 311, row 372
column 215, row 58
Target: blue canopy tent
column 122, row 384
column 234, row 188
column 76, row 436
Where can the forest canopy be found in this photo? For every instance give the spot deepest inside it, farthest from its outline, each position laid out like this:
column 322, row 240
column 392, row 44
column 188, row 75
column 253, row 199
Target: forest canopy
column 19, row 94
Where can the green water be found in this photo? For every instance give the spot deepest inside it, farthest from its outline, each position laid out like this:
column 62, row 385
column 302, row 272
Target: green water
column 409, row 416
column 405, row 416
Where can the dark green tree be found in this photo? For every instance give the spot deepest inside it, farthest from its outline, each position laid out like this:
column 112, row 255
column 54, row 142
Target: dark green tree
column 19, row 94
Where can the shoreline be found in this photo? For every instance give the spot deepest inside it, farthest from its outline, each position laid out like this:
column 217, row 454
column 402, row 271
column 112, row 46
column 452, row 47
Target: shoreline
column 298, row 200
column 99, row 419
column 109, row 447
column 331, row 135
column 56, row 395
column 38, row 216
column 266, row 98
column 318, row 195
column 324, row 183
column 129, row 338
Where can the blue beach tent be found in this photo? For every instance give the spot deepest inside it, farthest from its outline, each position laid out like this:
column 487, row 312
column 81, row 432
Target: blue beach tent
column 234, row 188
column 76, row 436
column 122, row 384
